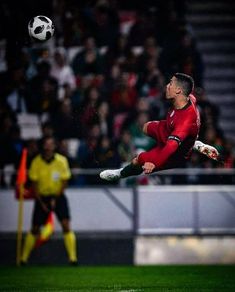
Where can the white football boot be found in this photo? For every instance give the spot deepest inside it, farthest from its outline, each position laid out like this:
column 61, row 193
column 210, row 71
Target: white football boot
column 208, row 150
column 111, row 174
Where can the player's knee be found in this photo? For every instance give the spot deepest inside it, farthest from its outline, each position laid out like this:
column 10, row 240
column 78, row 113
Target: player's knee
column 135, row 161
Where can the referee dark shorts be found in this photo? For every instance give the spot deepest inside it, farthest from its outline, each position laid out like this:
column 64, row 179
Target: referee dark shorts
column 61, row 209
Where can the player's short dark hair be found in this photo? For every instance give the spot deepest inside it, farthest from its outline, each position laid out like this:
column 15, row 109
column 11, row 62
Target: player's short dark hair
column 186, row 82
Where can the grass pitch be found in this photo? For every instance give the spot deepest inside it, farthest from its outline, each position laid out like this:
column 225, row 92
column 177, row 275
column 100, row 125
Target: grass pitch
column 132, row 279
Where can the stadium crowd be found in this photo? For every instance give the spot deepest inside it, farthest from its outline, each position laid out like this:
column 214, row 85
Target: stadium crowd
column 99, row 79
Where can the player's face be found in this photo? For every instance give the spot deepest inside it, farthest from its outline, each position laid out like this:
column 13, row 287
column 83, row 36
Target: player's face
column 172, row 89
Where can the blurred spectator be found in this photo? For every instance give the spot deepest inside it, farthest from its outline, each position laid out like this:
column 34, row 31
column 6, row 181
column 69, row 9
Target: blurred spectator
column 105, row 23
column 118, row 53
column 43, row 89
column 126, row 148
column 143, row 27
column 151, row 50
column 209, row 112
column 88, row 61
column 124, row 96
column 112, row 78
column 104, row 119
column 32, row 150
column 88, row 108
column 65, row 121
column 63, row 148
column 229, row 155
column 85, row 153
column 13, row 88
column 47, row 131
column 121, row 54
column 183, row 56
column 28, row 63
column 140, row 140
column 61, row 70
column 106, row 155
column 69, row 21
column 10, row 144
column 153, row 108
column 190, row 59
column 151, row 82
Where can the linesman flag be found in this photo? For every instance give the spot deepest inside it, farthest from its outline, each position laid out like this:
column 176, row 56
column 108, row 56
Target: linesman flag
column 46, row 231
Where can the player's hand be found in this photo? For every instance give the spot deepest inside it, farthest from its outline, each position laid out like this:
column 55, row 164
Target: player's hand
column 148, row 167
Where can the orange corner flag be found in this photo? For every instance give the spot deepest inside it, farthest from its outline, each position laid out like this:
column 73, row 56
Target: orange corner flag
column 20, row 181
column 22, row 170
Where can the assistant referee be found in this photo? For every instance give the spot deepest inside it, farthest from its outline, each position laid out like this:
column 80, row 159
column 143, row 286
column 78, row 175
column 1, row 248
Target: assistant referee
column 49, row 173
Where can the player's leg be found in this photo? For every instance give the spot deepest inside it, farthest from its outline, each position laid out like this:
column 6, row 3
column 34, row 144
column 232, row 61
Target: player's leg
column 62, row 212
column 151, row 129
column 133, row 168
column 39, row 217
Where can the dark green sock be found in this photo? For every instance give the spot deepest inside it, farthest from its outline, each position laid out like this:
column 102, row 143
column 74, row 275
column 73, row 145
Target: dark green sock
column 131, row 169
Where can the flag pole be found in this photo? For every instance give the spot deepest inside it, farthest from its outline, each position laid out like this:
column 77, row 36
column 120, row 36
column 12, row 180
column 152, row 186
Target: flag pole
column 20, row 223
column 21, row 180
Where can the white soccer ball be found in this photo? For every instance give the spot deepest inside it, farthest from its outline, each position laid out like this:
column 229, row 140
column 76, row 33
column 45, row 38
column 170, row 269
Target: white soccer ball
column 41, row 28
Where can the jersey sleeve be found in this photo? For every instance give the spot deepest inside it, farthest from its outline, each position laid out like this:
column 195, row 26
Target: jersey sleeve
column 33, row 170
column 181, row 131
column 65, row 170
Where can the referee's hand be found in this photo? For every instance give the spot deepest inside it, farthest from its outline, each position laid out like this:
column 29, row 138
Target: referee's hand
column 53, row 204
column 44, row 207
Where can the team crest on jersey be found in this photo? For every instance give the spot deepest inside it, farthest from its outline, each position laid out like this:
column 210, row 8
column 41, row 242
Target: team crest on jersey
column 172, row 113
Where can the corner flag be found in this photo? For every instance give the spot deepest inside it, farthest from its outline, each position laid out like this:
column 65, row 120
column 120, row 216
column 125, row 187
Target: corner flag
column 22, row 170
column 20, row 181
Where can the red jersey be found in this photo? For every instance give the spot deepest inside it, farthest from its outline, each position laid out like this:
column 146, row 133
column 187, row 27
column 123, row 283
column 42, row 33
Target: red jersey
column 175, row 136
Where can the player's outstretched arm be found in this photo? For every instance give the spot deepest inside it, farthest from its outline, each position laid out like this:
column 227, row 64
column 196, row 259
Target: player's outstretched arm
column 208, row 150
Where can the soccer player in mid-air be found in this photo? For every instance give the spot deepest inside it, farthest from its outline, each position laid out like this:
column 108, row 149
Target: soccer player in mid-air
column 176, row 136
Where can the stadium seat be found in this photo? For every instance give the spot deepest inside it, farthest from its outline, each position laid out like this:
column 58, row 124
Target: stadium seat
column 73, row 147
column 30, row 126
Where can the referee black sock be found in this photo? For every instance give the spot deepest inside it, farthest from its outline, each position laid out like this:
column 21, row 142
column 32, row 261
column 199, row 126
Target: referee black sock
column 131, row 169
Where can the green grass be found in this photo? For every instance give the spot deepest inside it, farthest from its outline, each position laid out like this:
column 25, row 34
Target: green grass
column 132, row 279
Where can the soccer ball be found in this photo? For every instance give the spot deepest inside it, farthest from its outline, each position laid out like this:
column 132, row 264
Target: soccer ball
column 41, row 28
